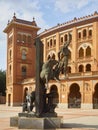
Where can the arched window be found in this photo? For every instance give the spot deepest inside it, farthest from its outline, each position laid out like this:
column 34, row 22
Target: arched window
column 81, row 68
column 81, row 52
column 24, row 54
column 61, row 40
column 50, row 42
column 84, row 33
column 88, row 67
column 54, row 42
column 90, row 33
column 24, row 38
column 24, row 70
column 65, row 37
column 79, row 35
column 88, row 51
column 69, row 69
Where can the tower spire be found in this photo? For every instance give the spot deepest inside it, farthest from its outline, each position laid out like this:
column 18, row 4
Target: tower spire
column 14, row 17
column 33, row 22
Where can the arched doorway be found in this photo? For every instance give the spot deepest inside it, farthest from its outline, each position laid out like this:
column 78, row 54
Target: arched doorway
column 74, row 97
column 95, row 97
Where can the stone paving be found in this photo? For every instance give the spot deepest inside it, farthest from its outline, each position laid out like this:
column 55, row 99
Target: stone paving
column 73, row 119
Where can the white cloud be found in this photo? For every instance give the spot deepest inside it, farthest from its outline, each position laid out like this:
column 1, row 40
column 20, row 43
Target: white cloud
column 65, row 6
column 40, row 9
column 24, row 9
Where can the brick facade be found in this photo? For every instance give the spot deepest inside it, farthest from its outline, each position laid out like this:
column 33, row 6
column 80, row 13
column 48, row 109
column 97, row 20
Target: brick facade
column 80, row 88
column 21, row 36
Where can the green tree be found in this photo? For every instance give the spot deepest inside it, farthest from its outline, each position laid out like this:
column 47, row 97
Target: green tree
column 2, row 82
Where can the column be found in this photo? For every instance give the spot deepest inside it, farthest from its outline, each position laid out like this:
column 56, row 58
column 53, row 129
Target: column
column 39, row 103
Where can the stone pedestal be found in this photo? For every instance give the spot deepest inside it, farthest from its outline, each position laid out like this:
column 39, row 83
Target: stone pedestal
column 14, row 121
column 29, row 121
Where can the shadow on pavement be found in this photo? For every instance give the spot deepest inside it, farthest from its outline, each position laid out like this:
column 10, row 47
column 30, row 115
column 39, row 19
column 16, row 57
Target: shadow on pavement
column 74, row 125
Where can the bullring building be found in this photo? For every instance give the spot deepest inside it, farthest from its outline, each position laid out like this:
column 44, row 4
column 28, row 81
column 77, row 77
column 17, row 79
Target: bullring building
column 80, row 88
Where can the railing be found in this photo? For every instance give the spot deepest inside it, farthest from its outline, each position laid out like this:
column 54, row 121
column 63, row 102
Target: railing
column 88, row 74
column 94, row 72
column 84, row 39
column 86, row 58
column 74, row 74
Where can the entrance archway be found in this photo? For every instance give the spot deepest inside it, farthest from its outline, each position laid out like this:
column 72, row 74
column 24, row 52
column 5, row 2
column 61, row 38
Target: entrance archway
column 95, row 97
column 74, row 97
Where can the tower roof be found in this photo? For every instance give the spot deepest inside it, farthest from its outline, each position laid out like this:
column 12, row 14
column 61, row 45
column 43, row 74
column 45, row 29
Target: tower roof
column 16, row 21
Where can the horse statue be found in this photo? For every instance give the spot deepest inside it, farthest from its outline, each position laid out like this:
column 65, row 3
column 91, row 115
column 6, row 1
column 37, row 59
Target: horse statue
column 49, row 71
column 52, row 68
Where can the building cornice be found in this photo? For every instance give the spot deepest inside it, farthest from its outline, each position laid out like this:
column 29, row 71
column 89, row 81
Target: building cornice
column 75, row 22
column 19, row 24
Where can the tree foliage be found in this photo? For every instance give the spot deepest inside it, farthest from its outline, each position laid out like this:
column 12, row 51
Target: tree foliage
column 2, row 82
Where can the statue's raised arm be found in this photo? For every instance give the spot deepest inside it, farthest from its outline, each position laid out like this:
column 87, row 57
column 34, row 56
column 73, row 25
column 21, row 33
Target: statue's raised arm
column 69, row 39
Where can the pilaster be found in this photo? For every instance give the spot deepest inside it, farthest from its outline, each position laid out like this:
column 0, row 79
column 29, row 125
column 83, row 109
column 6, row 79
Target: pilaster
column 57, row 44
column 74, row 49
column 95, row 45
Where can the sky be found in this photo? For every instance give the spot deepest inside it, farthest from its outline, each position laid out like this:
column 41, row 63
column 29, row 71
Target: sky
column 47, row 13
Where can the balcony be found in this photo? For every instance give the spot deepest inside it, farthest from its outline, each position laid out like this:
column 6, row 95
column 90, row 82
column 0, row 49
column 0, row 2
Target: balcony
column 91, row 74
column 87, row 38
column 85, row 59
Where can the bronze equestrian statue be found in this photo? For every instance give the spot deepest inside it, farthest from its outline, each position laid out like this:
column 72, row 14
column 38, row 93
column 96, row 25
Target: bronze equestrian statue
column 50, row 71
column 52, row 68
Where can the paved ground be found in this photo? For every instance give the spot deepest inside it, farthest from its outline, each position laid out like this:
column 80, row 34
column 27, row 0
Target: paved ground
column 73, row 119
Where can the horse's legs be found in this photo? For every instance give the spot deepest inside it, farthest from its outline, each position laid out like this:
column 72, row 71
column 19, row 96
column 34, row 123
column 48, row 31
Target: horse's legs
column 46, row 77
